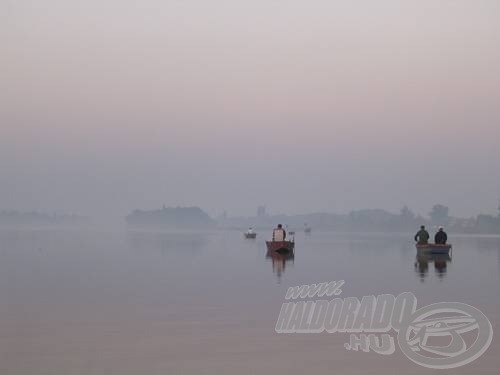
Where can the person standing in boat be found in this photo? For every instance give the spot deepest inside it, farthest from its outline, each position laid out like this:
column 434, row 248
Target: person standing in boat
column 422, row 236
column 279, row 233
column 441, row 237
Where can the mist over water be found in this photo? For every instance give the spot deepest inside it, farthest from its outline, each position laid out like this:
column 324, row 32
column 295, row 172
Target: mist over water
column 139, row 139
column 113, row 105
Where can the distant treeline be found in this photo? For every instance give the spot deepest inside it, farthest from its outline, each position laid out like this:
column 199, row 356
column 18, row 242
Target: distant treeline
column 372, row 220
column 172, row 217
column 16, row 218
column 368, row 220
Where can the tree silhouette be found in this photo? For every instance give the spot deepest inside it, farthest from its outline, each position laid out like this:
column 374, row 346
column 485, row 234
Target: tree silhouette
column 407, row 214
column 439, row 214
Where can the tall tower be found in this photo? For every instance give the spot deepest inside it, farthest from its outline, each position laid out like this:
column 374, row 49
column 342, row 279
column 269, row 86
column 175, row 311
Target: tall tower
column 261, row 211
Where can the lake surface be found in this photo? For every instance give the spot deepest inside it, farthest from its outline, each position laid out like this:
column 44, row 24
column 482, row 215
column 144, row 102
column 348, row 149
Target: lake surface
column 123, row 302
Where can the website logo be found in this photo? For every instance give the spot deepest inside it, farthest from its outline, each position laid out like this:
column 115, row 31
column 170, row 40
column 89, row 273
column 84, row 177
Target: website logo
column 440, row 336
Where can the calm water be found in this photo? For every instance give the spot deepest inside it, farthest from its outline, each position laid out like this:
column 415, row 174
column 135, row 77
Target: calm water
column 91, row 302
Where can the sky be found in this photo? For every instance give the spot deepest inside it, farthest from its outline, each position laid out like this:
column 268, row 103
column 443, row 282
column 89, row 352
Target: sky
column 302, row 106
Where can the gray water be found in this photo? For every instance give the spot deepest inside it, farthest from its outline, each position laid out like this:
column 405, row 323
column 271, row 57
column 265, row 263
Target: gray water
column 122, row 302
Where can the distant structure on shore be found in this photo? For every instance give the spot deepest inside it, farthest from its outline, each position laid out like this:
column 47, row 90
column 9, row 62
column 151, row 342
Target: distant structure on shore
column 172, row 217
column 261, row 211
column 16, row 218
column 370, row 220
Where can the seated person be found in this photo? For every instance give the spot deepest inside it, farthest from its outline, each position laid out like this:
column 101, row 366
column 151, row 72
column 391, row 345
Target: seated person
column 422, row 236
column 279, row 233
column 441, row 237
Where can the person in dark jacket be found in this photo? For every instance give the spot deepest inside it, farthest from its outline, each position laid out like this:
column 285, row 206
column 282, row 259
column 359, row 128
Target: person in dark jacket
column 441, row 237
column 422, row 236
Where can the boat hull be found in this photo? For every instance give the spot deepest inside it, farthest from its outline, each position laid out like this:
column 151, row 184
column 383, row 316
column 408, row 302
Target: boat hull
column 280, row 246
column 434, row 248
column 250, row 235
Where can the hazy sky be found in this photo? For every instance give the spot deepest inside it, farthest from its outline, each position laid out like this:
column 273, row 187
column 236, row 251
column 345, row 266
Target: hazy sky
column 110, row 105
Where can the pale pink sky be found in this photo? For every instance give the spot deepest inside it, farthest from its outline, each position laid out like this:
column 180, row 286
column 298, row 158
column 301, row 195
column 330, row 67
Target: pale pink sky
column 301, row 105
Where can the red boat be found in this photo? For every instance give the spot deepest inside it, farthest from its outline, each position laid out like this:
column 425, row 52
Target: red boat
column 280, row 246
column 434, row 248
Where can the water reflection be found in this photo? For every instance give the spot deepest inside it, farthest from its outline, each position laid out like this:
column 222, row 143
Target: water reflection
column 279, row 260
column 423, row 260
column 105, row 291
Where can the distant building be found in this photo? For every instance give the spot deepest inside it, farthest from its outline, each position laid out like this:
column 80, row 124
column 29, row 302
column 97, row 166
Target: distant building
column 261, row 211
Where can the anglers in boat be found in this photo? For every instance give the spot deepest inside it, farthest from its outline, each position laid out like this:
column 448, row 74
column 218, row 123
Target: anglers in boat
column 279, row 241
column 441, row 237
column 422, row 236
column 440, row 247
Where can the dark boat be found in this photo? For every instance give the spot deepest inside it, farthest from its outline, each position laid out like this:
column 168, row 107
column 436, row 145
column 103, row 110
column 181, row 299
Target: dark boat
column 250, row 235
column 434, row 248
column 280, row 246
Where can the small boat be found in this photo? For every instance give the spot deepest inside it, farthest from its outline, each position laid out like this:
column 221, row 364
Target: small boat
column 280, row 246
column 434, row 248
column 250, row 233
